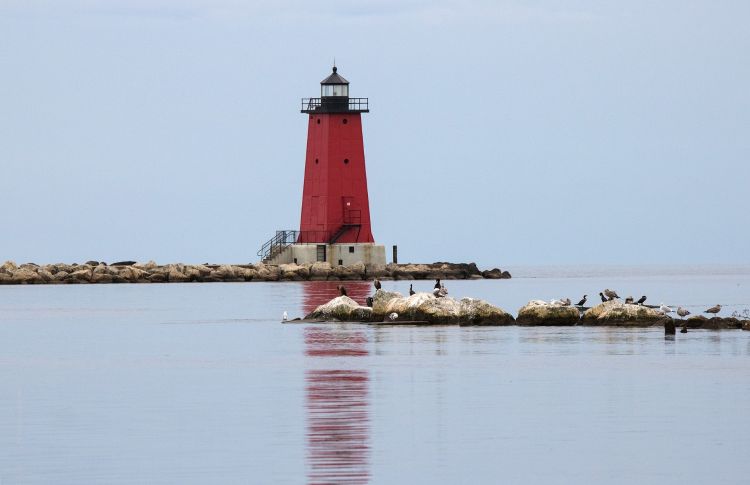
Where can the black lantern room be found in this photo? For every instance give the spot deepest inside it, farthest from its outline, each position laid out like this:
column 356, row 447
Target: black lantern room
column 334, row 97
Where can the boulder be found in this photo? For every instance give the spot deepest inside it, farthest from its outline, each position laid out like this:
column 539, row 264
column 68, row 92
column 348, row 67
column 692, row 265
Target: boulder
column 445, row 310
column 293, row 272
column 123, row 263
column 157, row 278
column 341, row 308
column 6, row 279
column 175, row 274
column 60, row 276
column 615, row 312
column 247, row 274
column 492, row 274
column 348, row 273
column 8, row 267
column 100, row 277
column 25, row 276
column 380, row 301
column 224, row 272
column 146, row 266
column 268, row 273
column 202, row 269
column 319, row 271
column 376, row 270
column 45, row 275
column 479, row 312
column 101, row 269
column 538, row 312
column 191, row 273
column 80, row 276
column 713, row 323
column 132, row 274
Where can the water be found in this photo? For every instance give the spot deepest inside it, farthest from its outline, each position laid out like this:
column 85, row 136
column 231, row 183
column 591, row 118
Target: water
column 200, row 383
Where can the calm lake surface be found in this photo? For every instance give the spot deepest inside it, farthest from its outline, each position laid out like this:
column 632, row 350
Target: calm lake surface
column 200, row 383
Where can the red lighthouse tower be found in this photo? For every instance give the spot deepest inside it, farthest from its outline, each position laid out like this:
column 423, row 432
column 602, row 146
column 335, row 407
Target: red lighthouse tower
column 335, row 222
column 335, row 206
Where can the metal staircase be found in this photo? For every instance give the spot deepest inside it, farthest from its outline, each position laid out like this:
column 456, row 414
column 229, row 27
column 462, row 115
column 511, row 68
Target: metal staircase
column 285, row 238
column 277, row 244
column 342, row 230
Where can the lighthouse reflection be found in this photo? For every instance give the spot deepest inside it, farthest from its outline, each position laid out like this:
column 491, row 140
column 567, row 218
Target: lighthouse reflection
column 338, row 422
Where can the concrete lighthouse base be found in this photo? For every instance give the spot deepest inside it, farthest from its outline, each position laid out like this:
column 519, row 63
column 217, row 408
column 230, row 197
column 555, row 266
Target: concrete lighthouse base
column 336, row 254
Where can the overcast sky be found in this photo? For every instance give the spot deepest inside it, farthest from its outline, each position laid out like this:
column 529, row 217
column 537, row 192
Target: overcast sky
column 507, row 132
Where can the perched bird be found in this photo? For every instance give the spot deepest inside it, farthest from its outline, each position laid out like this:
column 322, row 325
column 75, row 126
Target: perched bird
column 438, row 285
column 566, row 302
column 603, row 297
column 684, row 329
column 665, row 309
column 714, row 309
column 369, row 301
column 629, row 299
column 393, row 316
column 411, row 290
column 342, row 290
column 641, row 300
column 611, row 294
column 682, row 312
column 583, row 300
column 284, row 317
column 376, row 283
column 440, row 292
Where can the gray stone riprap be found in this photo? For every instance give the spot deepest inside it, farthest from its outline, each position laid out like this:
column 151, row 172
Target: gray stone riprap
column 541, row 313
column 713, row 323
column 150, row 272
column 425, row 308
column 623, row 314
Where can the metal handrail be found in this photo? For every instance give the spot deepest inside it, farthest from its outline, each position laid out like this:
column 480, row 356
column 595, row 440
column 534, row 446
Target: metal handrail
column 287, row 237
column 312, row 105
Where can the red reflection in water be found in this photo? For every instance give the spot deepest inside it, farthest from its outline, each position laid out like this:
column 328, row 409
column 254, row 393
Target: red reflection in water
column 338, row 426
column 319, row 292
column 338, row 421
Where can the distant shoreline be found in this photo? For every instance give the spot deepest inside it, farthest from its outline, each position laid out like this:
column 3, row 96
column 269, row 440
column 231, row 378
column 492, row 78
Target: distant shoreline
column 96, row 272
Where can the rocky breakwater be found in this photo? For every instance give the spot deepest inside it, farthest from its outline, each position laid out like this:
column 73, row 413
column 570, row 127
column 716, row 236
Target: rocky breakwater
column 541, row 313
column 616, row 313
column 150, row 272
column 714, row 323
column 420, row 308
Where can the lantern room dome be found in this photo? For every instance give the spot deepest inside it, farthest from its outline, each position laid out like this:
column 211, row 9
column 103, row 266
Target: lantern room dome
column 334, row 85
column 334, row 78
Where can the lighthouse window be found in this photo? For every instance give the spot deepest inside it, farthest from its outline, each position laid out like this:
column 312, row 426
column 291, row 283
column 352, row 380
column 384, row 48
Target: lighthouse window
column 346, row 161
column 334, row 90
column 318, row 120
column 316, row 161
column 345, row 121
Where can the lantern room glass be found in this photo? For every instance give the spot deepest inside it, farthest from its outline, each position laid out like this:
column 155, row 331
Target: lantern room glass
column 334, row 90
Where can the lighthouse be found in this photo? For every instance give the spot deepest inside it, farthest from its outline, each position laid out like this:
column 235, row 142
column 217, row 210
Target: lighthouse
column 335, row 223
